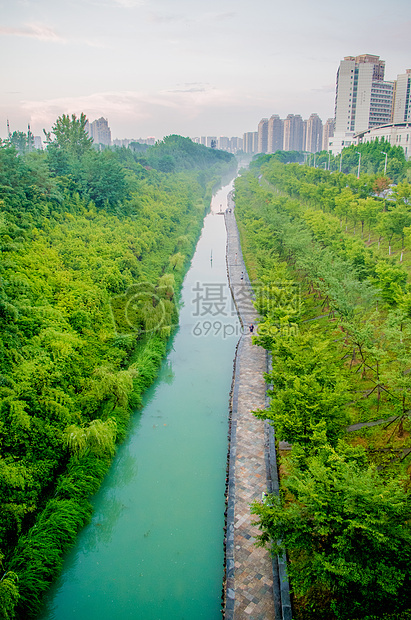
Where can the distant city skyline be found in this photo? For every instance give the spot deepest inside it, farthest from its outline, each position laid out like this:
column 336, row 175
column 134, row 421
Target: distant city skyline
column 154, row 68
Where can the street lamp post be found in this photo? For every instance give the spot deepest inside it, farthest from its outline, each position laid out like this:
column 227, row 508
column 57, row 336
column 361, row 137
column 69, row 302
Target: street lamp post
column 385, row 165
column 340, row 161
column 359, row 164
column 329, row 159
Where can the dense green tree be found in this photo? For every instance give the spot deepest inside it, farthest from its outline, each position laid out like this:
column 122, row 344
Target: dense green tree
column 9, row 595
column 392, row 223
column 308, row 389
column 348, row 535
column 93, row 250
column 381, row 184
column 101, row 178
column 98, row 438
column 69, row 135
column 20, row 141
column 343, row 523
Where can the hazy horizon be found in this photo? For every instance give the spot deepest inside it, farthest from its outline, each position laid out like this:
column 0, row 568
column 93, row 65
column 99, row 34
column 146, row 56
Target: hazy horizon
column 155, row 69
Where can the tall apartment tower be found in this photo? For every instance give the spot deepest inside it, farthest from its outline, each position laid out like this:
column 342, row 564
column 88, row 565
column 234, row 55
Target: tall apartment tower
column 328, row 132
column 314, row 134
column 275, row 134
column 262, row 136
column 236, row 144
column 246, row 142
column 363, row 99
column 250, row 142
column 99, row 131
column 402, row 98
column 224, row 143
column 304, row 145
column 293, row 133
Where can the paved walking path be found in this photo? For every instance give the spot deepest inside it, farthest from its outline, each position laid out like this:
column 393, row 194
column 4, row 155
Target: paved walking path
column 249, row 577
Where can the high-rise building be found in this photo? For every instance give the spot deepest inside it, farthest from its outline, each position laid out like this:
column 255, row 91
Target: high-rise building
column 224, row 143
column 328, row 132
column 255, row 141
column 236, row 144
column 402, row 98
column 304, row 145
column 246, row 142
column 288, row 132
column 314, row 134
column 275, row 134
column 250, row 142
column 363, row 99
column 293, row 133
column 262, row 136
column 99, row 131
column 121, row 142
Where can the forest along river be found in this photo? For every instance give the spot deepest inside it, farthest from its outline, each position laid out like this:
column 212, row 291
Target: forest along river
column 154, row 547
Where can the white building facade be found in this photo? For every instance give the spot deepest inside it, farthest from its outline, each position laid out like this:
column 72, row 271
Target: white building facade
column 397, row 134
column 363, row 99
column 402, row 98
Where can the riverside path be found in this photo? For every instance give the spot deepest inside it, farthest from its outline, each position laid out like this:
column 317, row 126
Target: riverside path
column 249, row 572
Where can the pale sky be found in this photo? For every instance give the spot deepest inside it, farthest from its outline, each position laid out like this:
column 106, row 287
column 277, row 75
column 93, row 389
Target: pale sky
column 191, row 67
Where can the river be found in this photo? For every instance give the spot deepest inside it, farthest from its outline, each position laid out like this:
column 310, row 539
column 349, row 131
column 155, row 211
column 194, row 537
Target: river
column 154, row 547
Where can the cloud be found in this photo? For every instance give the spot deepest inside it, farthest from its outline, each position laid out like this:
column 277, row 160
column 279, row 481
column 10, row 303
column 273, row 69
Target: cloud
column 218, row 17
column 130, row 107
column 326, row 88
column 191, row 87
column 168, row 18
column 129, row 4
column 125, row 4
column 46, row 33
column 33, row 30
column 165, row 18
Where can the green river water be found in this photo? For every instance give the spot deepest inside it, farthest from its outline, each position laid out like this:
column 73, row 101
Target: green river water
column 154, row 547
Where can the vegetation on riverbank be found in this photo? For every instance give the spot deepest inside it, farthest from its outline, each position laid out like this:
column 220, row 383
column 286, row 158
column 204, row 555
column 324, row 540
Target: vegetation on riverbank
column 94, row 249
column 379, row 158
column 329, row 260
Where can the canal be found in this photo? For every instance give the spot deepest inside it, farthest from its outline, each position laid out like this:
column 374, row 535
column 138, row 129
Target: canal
column 154, row 547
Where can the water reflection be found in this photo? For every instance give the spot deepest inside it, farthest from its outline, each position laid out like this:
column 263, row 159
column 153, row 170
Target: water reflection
column 101, row 527
column 167, row 373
